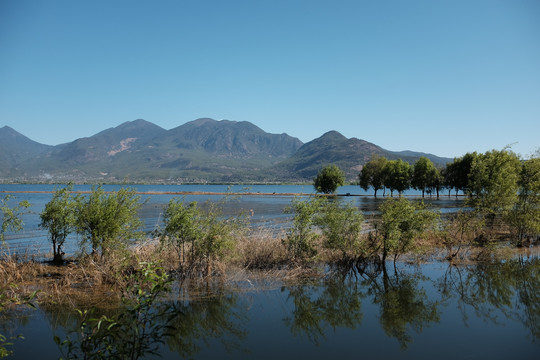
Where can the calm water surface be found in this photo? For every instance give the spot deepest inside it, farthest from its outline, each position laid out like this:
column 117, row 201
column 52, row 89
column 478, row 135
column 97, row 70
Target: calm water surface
column 490, row 311
column 266, row 211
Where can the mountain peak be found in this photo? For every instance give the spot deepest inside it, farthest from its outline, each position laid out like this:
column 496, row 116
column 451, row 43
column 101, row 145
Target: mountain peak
column 334, row 134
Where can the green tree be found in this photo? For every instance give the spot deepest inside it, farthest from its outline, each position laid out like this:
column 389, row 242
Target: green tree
column 401, row 223
column 329, row 179
column 301, row 237
column 12, row 216
column 457, row 172
column 524, row 217
column 341, row 225
column 437, row 181
column 398, row 175
column 181, row 226
column 424, row 174
column 373, row 174
column 58, row 218
column 218, row 234
column 207, row 231
column 108, row 220
column 493, row 183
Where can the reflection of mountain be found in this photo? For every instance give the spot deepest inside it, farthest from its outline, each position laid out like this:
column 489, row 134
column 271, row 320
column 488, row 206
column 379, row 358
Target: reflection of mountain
column 198, row 151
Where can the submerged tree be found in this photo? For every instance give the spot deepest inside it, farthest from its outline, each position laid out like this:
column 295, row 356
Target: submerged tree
column 524, row 217
column 58, row 218
column 108, row 221
column 181, row 226
column 401, row 223
column 206, row 233
column 301, row 237
column 493, row 183
column 424, row 175
column 457, row 172
column 397, row 176
column 341, row 225
column 12, row 216
column 373, row 174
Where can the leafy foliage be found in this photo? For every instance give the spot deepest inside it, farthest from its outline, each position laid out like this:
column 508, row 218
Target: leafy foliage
column 200, row 237
column 493, row 182
column 12, row 216
column 373, row 174
column 424, row 175
column 58, row 218
column 329, row 179
column 108, row 221
column 402, row 221
column 301, row 236
column 524, row 217
column 397, row 175
column 341, row 225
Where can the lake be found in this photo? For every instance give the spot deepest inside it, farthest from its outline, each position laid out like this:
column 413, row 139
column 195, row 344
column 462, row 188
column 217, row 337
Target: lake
column 267, row 210
column 488, row 311
column 432, row 310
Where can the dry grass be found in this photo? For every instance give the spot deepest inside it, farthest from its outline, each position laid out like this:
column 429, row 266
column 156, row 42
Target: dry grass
column 259, row 261
column 263, row 250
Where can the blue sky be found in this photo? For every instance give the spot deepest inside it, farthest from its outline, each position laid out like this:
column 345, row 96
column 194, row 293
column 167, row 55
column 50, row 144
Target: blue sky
column 444, row 77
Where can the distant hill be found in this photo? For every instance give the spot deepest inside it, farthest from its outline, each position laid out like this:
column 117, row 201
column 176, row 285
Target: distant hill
column 348, row 154
column 16, row 148
column 203, row 150
column 197, row 151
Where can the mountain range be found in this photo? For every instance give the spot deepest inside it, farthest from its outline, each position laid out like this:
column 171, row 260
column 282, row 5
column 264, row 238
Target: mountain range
column 203, row 150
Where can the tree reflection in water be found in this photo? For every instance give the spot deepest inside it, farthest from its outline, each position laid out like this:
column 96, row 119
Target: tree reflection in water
column 216, row 316
column 332, row 302
column 336, row 302
column 403, row 303
column 185, row 325
column 511, row 287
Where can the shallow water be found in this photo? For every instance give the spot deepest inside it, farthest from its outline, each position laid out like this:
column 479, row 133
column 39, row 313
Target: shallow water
column 264, row 210
column 489, row 311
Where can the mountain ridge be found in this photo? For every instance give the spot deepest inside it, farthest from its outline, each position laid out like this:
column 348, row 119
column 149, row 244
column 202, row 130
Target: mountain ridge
column 202, row 150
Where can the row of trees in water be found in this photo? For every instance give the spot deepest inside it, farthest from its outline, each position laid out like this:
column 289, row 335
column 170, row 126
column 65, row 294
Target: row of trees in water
column 497, row 184
column 503, row 200
column 502, row 189
column 474, row 174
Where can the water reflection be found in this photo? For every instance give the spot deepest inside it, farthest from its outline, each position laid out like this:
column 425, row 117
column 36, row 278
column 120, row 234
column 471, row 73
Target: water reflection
column 510, row 287
column 197, row 324
column 401, row 312
column 184, row 326
column 336, row 302
column 322, row 305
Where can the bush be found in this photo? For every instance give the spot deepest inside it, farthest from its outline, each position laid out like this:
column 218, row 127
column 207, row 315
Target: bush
column 301, row 237
column 200, row 237
column 401, row 223
column 341, row 225
column 108, row 221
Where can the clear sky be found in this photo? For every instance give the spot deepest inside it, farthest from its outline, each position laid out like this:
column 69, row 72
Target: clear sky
column 444, row 77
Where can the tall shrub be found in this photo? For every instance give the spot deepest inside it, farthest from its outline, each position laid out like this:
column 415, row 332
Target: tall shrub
column 108, row 221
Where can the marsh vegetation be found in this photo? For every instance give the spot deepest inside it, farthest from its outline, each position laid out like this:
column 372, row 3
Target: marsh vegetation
column 125, row 293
